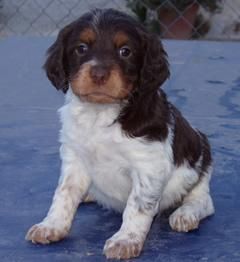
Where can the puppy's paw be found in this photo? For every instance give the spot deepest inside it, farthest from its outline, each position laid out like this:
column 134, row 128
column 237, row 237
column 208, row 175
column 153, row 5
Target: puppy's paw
column 44, row 234
column 123, row 247
column 183, row 220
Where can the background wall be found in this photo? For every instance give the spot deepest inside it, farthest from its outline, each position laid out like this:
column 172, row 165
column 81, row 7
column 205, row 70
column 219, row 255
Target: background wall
column 46, row 17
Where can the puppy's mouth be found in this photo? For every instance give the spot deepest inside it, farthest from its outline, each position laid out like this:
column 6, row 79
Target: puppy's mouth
column 99, row 97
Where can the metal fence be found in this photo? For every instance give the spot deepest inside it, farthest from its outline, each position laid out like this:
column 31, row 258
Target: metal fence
column 169, row 17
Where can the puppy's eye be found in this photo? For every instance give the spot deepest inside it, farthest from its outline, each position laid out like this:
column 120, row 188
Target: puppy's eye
column 82, row 49
column 125, row 52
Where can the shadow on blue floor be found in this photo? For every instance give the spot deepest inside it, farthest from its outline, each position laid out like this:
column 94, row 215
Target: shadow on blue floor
column 205, row 85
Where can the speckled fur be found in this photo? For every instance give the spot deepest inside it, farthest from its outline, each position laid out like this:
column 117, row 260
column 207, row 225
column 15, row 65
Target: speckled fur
column 131, row 151
column 126, row 174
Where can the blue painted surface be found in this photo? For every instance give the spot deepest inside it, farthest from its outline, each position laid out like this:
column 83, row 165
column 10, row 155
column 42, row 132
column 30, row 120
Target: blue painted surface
column 205, row 85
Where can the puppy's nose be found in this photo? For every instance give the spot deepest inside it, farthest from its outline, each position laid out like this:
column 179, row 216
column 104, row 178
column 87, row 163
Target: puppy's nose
column 99, row 74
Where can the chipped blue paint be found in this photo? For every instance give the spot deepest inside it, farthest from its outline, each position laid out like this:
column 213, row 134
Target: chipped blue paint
column 205, row 85
column 216, row 57
column 215, row 82
column 230, row 100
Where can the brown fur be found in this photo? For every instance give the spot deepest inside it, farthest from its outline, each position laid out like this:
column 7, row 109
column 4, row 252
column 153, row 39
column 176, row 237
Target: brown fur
column 120, row 39
column 136, row 79
column 87, row 36
column 99, row 73
column 115, row 89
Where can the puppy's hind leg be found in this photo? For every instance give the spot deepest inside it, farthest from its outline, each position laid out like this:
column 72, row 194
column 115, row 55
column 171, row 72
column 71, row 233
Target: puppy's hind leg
column 196, row 206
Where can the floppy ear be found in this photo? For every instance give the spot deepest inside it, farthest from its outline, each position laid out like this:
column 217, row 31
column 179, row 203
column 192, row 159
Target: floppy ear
column 146, row 113
column 155, row 68
column 56, row 63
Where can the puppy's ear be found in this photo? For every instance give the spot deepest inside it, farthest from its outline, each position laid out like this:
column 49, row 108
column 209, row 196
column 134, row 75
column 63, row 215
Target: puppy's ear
column 155, row 68
column 56, row 63
column 146, row 114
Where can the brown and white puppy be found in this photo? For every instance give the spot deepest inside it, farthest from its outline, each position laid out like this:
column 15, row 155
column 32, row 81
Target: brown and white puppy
column 123, row 144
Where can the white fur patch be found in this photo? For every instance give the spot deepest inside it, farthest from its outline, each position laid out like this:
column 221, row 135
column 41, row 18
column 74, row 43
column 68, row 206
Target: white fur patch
column 122, row 173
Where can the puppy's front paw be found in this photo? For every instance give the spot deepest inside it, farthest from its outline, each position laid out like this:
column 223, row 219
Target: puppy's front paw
column 44, row 234
column 183, row 220
column 123, row 247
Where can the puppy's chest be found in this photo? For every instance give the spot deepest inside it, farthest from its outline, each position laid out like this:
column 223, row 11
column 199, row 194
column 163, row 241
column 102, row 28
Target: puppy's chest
column 111, row 157
column 109, row 164
column 106, row 147
column 101, row 140
column 98, row 137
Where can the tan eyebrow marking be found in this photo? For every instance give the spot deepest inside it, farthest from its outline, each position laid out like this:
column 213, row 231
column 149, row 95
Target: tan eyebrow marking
column 87, row 35
column 120, row 39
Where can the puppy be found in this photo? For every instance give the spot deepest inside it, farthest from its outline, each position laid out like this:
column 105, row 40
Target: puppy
column 122, row 143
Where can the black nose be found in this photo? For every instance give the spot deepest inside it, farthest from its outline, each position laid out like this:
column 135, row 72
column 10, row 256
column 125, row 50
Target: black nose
column 99, row 74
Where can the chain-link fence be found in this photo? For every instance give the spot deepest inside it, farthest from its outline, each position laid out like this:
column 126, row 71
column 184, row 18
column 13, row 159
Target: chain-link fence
column 182, row 19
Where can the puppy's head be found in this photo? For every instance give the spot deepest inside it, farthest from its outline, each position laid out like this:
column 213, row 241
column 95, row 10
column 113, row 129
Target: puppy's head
column 106, row 56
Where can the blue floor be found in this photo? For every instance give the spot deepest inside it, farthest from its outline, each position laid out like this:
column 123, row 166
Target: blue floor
column 205, row 85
